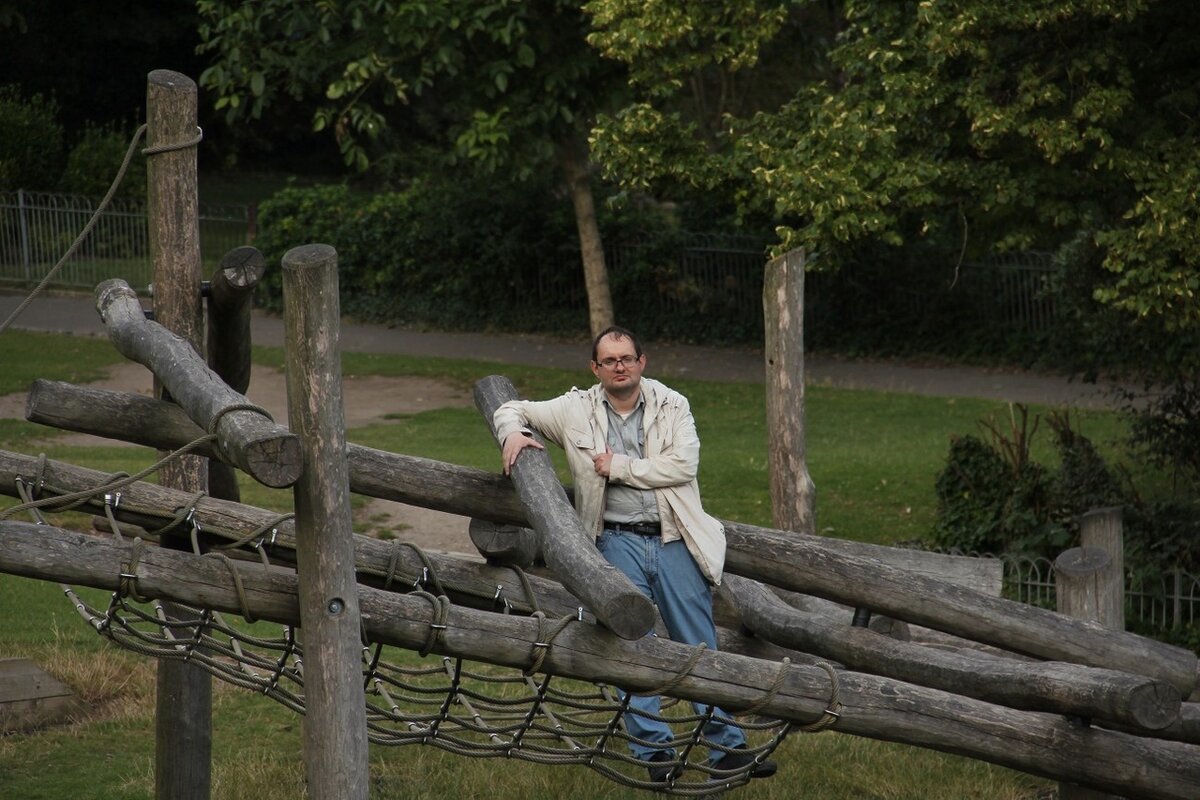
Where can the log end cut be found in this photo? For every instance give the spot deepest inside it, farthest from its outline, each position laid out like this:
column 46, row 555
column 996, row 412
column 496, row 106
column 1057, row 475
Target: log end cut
column 630, row 615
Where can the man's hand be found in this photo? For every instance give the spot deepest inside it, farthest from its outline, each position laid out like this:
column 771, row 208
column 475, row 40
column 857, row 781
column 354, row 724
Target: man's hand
column 603, row 462
column 513, row 445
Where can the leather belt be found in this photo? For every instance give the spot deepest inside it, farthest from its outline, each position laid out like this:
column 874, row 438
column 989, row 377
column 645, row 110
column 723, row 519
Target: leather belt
column 640, row 528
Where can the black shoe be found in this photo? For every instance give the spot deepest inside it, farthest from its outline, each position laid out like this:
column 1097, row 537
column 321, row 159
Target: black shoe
column 741, row 758
column 660, row 767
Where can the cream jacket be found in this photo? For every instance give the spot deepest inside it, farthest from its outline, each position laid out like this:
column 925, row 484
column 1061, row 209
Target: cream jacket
column 578, row 422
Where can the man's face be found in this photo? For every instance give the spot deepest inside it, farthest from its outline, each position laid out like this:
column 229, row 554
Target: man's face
column 619, row 379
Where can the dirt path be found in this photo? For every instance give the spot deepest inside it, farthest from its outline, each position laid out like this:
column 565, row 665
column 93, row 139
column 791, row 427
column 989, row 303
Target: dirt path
column 368, row 400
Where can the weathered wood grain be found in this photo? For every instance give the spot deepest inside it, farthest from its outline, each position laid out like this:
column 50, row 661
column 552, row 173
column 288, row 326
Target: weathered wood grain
column 1134, row 700
column 268, row 452
column 183, row 716
column 888, row 580
column 791, row 487
column 1038, row 743
column 230, row 301
column 335, row 719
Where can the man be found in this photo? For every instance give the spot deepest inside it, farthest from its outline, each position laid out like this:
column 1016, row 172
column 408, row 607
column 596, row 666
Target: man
column 633, row 451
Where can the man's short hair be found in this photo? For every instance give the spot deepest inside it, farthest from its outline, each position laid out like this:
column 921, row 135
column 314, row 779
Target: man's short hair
column 617, row 332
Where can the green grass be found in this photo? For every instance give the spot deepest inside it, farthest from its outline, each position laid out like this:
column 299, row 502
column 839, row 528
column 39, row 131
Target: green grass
column 873, row 457
column 26, row 356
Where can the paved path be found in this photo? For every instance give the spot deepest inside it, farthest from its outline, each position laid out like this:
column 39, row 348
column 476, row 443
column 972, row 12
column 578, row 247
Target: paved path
column 76, row 314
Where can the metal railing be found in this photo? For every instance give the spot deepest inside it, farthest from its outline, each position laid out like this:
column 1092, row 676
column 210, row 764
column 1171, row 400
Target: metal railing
column 1167, row 601
column 36, row 228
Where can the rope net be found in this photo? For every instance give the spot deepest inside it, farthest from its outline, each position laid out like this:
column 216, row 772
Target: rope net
column 467, row 708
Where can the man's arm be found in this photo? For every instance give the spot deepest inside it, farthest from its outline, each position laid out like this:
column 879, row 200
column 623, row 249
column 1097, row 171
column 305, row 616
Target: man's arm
column 676, row 463
column 517, row 419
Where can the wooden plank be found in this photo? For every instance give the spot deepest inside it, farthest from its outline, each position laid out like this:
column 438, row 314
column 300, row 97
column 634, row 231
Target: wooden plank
column 31, row 698
column 1038, row 743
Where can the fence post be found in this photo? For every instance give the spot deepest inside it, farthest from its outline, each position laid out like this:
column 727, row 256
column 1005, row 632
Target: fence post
column 1085, row 589
column 183, row 716
column 335, row 719
column 25, row 259
column 1102, row 528
column 783, row 322
column 1177, row 599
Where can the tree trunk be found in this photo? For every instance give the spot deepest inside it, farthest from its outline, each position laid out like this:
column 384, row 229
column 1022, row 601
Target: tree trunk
column 591, row 247
column 783, row 316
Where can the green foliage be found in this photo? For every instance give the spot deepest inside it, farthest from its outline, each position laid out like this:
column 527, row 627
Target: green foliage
column 992, row 497
column 984, row 127
column 462, row 252
column 448, row 253
column 93, row 162
column 502, row 85
column 31, row 141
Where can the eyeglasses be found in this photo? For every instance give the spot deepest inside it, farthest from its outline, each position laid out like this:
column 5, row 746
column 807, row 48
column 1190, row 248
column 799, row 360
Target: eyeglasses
column 624, row 361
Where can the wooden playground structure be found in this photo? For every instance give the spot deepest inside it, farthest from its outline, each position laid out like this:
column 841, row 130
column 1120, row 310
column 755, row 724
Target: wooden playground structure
column 1011, row 684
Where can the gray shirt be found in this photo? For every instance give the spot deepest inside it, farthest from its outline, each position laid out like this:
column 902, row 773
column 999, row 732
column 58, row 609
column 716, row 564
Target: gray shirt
column 626, row 436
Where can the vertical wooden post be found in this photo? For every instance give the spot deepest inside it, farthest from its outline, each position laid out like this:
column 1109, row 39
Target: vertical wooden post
column 1103, row 528
column 783, row 317
column 230, row 298
column 183, row 721
column 1084, row 588
column 335, row 721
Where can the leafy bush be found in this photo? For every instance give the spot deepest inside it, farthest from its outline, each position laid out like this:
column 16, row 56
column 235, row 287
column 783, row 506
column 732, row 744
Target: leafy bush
column 464, row 252
column 435, row 254
column 93, row 162
column 31, row 141
column 993, row 498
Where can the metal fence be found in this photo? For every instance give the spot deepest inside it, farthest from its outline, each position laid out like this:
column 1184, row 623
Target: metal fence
column 672, row 287
column 37, row 228
column 675, row 286
column 1013, row 290
column 1168, row 601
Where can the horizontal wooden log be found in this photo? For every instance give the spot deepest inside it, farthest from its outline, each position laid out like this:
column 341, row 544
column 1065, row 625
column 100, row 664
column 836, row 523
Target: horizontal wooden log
column 1041, row 744
column 223, row 522
column 267, row 451
column 847, row 572
column 467, row 582
column 405, row 479
column 1133, row 700
column 510, row 545
column 568, row 549
column 808, row 565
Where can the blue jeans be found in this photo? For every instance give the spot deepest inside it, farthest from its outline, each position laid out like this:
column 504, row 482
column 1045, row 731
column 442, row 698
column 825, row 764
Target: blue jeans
column 669, row 576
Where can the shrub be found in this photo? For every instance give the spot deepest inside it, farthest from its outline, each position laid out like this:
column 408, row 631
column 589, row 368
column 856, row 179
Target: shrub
column 992, row 498
column 93, row 162
column 460, row 252
column 31, row 141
